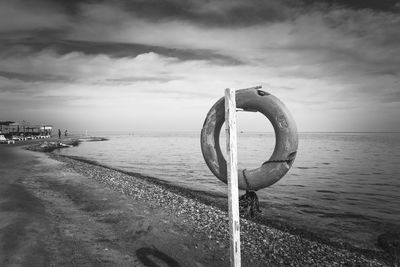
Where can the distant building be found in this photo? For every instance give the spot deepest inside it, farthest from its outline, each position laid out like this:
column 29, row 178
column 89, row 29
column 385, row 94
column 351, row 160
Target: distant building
column 24, row 128
column 4, row 126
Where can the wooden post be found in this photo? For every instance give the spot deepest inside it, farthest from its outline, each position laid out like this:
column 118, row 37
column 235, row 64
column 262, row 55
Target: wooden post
column 233, row 191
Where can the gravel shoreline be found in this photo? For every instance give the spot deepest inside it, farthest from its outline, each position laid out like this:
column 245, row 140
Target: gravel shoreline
column 262, row 244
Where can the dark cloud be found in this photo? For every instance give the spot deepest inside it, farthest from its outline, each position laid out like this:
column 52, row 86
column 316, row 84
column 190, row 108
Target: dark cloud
column 33, row 77
column 62, row 47
column 376, row 5
column 222, row 13
column 60, row 14
column 216, row 12
column 70, row 7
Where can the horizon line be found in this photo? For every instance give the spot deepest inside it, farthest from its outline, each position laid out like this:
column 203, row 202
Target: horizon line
column 238, row 131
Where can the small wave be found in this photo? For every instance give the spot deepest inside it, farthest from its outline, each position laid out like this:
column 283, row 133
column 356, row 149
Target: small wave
column 346, row 215
column 303, row 206
column 306, row 168
column 327, row 191
column 386, row 212
column 372, row 194
column 343, row 173
column 311, row 211
column 381, row 200
column 328, row 198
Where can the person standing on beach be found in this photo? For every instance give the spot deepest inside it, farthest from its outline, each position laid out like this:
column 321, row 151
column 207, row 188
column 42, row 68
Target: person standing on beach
column 59, row 134
column 65, row 133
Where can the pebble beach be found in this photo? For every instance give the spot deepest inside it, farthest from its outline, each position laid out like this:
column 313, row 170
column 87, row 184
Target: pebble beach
column 261, row 245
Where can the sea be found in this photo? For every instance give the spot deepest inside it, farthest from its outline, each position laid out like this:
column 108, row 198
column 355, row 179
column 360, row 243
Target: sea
column 344, row 187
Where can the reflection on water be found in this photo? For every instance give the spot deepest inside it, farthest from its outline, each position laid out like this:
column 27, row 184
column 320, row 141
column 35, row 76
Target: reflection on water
column 344, row 185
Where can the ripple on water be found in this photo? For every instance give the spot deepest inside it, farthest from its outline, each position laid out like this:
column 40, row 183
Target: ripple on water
column 305, row 168
column 327, row 191
column 328, row 198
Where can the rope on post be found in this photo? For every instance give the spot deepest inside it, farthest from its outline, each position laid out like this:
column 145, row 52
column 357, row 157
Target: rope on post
column 248, row 203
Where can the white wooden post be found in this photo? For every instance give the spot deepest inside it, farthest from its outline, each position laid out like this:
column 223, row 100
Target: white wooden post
column 233, row 191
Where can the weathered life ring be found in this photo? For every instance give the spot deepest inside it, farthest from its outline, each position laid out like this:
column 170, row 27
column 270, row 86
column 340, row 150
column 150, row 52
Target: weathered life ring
column 286, row 138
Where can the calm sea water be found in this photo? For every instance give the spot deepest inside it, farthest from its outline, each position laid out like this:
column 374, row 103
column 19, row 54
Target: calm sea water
column 344, row 186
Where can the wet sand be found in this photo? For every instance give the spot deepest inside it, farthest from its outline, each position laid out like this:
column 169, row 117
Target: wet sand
column 60, row 211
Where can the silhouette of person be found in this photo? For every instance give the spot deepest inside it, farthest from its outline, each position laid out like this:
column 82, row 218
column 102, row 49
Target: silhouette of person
column 66, row 133
column 59, row 133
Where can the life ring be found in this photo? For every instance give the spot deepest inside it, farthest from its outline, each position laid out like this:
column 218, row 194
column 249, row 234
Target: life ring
column 286, row 138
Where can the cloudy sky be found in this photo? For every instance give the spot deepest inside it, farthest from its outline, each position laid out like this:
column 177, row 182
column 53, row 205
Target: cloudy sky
column 161, row 64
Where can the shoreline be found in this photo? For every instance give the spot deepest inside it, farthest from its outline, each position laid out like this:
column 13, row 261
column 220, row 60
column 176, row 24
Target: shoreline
column 353, row 254
column 104, row 215
column 220, row 202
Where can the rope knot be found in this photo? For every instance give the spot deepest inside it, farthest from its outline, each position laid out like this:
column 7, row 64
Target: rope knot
column 248, row 204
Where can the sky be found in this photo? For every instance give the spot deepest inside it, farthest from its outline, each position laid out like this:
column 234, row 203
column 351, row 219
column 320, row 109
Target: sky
column 159, row 65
